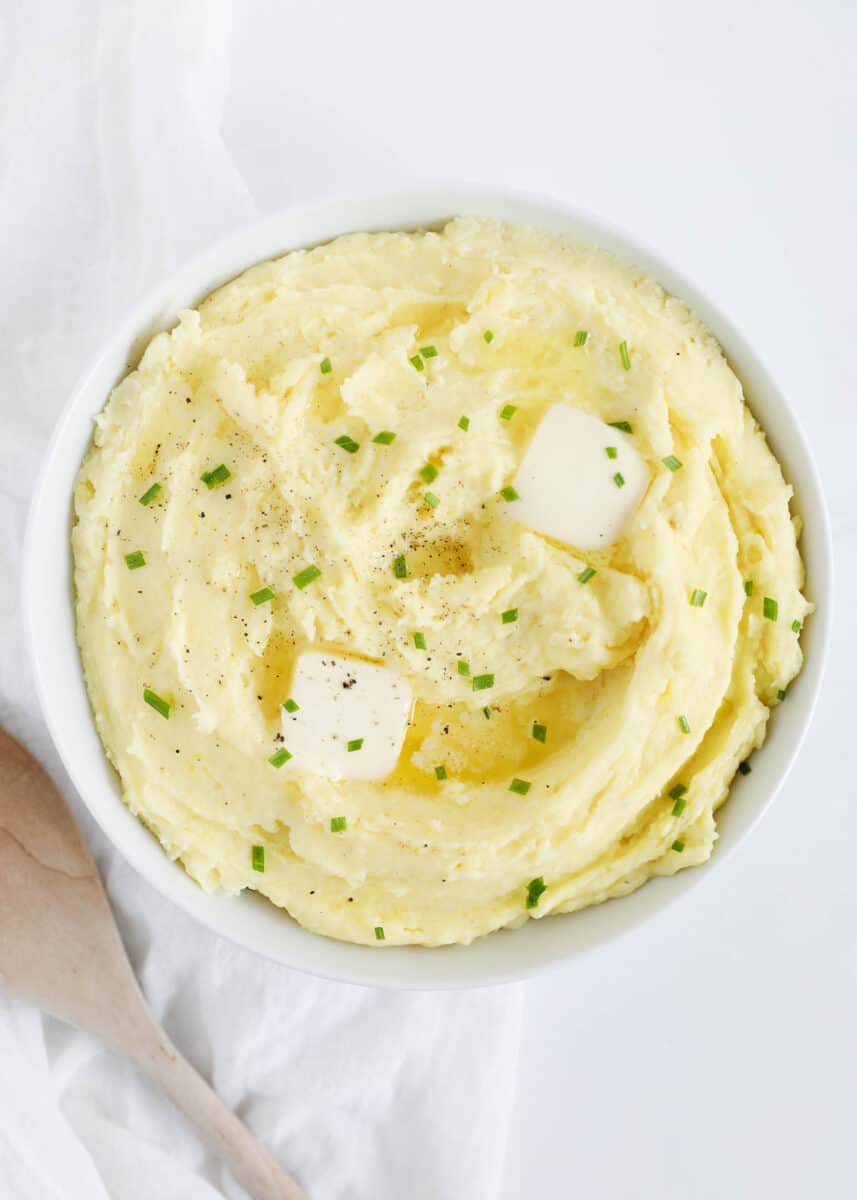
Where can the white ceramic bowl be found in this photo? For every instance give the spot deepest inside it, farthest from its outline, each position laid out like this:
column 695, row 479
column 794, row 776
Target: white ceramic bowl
column 247, row 919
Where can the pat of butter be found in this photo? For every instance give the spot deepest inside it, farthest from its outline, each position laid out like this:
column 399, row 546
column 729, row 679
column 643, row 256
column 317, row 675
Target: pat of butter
column 344, row 700
column 570, row 488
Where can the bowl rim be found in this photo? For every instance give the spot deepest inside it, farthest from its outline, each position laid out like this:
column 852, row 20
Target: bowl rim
column 246, row 920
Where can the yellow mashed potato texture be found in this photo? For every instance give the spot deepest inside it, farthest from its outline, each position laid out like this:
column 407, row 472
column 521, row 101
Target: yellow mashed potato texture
column 650, row 702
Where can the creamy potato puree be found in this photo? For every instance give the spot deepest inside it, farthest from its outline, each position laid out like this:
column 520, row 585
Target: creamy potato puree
column 622, row 699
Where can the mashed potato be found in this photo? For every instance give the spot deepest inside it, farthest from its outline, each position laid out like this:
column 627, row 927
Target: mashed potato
column 635, row 680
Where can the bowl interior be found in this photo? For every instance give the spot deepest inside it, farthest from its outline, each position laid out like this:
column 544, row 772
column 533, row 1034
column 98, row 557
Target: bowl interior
column 248, row 919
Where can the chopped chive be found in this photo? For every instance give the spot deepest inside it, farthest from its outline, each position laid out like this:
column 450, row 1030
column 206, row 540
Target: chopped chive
column 770, row 608
column 678, row 846
column 258, row 858
column 420, row 641
column 150, row 495
column 683, row 725
column 672, row 462
column 440, row 772
column 338, row 824
column 781, row 694
column 428, row 473
column 698, row 597
column 586, row 574
column 463, row 667
column 305, row 577
column 744, row 768
column 431, row 499
column 134, row 560
column 611, row 451
column 428, row 351
column 486, row 713
column 326, row 366
column 619, row 479
column 795, row 626
column 520, row 786
column 679, row 806
column 540, row 732
column 385, row 438
column 400, row 566
column 279, row 757
column 379, row 933
column 347, row 443
column 156, row 702
column 622, row 426
column 508, row 411
column 291, row 706
column 535, row 888
column 417, row 363
column 464, row 423
column 481, row 682
column 489, row 336
column 354, row 744
column 262, row 596
column 510, row 615
column 509, row 493
column 580, row 337
column 625, row 356
column 213, row 479
column 748, row 587
column 678, row 790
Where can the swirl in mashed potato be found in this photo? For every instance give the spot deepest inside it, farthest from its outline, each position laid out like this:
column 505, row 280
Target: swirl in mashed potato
column 646, row 703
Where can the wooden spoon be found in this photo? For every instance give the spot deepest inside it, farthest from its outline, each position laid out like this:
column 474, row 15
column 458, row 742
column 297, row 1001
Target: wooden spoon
column 60, row 950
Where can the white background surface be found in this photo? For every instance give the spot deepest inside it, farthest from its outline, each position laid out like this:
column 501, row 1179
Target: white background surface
column 714, row 1054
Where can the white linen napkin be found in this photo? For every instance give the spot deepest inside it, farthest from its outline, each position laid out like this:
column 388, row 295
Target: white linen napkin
column 113, row 171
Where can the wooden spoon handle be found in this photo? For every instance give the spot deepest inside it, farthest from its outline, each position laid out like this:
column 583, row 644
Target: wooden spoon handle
column 251, row 1164
column 60, row 949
